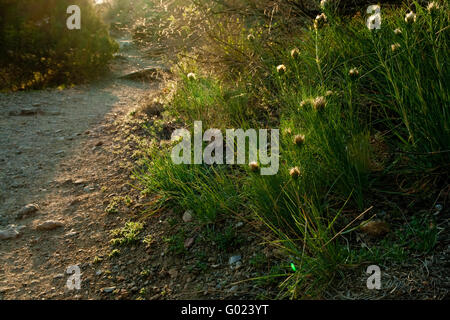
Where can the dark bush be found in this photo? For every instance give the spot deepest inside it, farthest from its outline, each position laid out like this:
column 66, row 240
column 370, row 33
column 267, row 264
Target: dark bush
column 38, row 49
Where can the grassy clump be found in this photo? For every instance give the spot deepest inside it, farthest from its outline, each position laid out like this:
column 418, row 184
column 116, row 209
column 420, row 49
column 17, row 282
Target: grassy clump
column 208, row 191
column 357, row 109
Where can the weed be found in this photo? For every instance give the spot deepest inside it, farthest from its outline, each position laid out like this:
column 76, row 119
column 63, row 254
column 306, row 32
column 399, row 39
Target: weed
column 127, row 235
column 114, row 253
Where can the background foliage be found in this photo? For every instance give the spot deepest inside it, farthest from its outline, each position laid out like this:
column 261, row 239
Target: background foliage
column 38, row 50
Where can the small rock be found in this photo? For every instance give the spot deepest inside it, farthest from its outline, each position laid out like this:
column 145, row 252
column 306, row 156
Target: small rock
column 375, row 228
column 53, row 113
column 173, row 273
column 35, row 240
column 233, row 289
column 239, row 224
column 9, row 233
column 70, row 234
column 234, row 259
column 156, row 296
column 89, row 189
column 187, row 216
column 49, row 225
column 79, row 181
column 109, row 289
column 188, row 243
column 98, row 272
column 25, row 112
column 27, row 211
column 74, row 202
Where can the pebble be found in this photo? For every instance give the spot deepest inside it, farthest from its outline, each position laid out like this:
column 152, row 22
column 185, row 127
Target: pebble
column 27, row 112
column 188, row 243
column 234, row 259
column 49, row 225
column 375, row 228
column 239, row 224
column 233, row 289
column 89, row 189
column 70, row 234
column 438, row 208
column 156, row 296
column 173, row 273
column 27, row 211
column 79, row 181
column 109, row 289
column 9, row 233
column 187, row 216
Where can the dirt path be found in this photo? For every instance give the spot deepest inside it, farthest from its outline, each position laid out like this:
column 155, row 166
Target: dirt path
column 57, row 152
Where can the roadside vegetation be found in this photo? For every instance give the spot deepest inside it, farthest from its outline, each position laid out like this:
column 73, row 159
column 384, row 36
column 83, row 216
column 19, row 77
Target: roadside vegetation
column 364, row 123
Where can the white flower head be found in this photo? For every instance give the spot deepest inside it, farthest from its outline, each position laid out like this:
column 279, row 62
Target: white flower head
column 354, row 72
column 410, row 17
column 319, row 103
column 304, row 103
column 254, row 166
column 395, row 46
column 320, row 20
column 299, row 139
column 295, row 53
column 281, row 69
column 294, row 172
column 398, row 31
column 323, row 3
column 192, row 76
column 433, row 6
